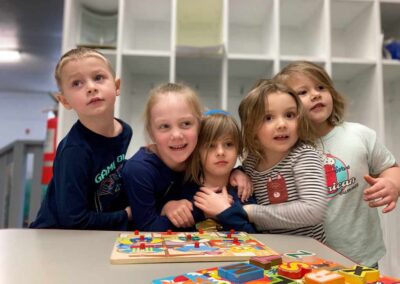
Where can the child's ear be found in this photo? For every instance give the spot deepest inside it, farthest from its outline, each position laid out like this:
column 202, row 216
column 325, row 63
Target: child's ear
column 63, row 100
column 118, row 86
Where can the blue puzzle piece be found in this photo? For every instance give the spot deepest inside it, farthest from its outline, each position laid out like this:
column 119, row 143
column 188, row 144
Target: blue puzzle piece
column 241, row 272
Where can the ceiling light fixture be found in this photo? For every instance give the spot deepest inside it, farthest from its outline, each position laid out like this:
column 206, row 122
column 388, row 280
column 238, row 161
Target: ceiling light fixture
column 9, row 55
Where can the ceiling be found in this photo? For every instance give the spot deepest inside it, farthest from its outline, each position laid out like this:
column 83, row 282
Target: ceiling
column 35, row 28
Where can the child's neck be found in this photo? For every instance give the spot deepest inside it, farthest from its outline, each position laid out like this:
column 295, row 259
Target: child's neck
column 104, row 127
column 215, row 181
column 323, row 129
column 269, row 160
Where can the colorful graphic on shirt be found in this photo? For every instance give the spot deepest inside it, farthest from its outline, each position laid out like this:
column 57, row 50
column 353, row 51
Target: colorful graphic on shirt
column 112, row 183
column 277, row 190
column 337, row 176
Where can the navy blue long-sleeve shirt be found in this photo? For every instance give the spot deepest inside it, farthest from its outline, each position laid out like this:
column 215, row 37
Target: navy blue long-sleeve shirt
column 150, row 184
column 85, row 191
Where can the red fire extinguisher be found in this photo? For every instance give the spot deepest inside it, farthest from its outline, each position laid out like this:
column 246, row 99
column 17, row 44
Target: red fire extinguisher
column 49, row 151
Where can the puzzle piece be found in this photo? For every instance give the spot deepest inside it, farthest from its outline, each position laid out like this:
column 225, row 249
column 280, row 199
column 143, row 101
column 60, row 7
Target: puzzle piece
column 266, row 262
column 323, row 277
column 240, row 272
column 294, row 270
column 360, row 274
column 278, row 279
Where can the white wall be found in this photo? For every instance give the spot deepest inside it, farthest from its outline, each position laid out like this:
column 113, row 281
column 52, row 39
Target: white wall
column 20, row 111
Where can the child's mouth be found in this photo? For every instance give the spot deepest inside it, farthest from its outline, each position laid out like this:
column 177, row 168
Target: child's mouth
column 317, row 106
column 178, row 147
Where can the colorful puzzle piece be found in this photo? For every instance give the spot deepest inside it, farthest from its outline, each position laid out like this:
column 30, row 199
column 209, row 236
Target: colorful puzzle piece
column 323, row 277
column 241, row 272
column 294, row 270
column 265, row 262
column 360, row 274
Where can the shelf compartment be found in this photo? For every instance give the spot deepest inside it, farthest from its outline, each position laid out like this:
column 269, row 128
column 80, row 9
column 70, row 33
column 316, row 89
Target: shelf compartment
column 358, row 83
column 203, row 74
column 391, row 91
column 354, row 29
column 390, row 19
column 251, row 28
column 90, row 23
column 139, row 75
column 147, row 25
column 199, row 24
column 242, row 75
column 98, row 29
column 302, row 28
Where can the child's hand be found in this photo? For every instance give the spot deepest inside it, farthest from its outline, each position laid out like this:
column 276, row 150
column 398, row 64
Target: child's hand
column 210, row 202
column 242, row 181
column 218, row 189
column 382, row 192
column 179, row 212
column 129, row 213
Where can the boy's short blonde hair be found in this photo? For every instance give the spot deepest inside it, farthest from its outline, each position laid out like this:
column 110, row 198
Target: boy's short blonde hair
column 252, row 113
column 318, row 75
column 212, row 127
column 76, row 54
column 166, row 89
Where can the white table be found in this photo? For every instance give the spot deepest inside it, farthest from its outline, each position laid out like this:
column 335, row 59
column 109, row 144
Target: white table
column 64, row 256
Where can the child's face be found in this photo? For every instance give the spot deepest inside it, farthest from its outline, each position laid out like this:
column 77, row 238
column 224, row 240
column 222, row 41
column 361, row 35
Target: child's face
column 317, row 100
column 88, row 87
column 220, row 158
column 278, row 131
column 174, row 130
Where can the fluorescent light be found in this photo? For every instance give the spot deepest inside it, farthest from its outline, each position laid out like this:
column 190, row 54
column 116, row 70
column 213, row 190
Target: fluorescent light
column 8, row 55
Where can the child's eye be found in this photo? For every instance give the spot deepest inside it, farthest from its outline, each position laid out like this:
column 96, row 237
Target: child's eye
column 267, row 117
column 98, row 77
column 229, row 144
column 76, row 83
column 187, row 124
column 302, row 92
column 291, row 115
column 163, row 126
column 212, row 145
column 320, row 87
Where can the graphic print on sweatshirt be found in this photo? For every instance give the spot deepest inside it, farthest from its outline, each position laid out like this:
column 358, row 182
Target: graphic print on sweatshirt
column 338, row 180
column 277, row 190
column 112, row 183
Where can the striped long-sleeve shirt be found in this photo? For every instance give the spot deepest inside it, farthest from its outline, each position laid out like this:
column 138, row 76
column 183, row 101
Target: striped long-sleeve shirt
column 291, row 196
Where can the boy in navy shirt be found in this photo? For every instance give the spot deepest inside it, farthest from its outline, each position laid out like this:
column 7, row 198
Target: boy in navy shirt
column 85, row 191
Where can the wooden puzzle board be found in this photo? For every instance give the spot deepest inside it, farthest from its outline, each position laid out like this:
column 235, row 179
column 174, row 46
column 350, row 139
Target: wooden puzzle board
column 186, row 247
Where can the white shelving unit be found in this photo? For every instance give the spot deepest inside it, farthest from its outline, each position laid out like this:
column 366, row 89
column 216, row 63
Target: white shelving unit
column 221, row 47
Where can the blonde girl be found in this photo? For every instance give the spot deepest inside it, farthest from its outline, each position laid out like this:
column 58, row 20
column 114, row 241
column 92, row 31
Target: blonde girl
column 153, row 176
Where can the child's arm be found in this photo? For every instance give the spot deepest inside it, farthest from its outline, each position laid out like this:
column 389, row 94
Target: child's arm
column 384, row 190
column 310, row 207
column 73, row 196
column 179, row 212
column 219, row 206
column 243, row 183
column 141, row 184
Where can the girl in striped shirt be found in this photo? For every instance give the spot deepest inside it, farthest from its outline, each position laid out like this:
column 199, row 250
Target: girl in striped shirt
column 286, row 170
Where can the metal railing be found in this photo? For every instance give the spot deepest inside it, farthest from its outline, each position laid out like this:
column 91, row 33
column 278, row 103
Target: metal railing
column 20, row 162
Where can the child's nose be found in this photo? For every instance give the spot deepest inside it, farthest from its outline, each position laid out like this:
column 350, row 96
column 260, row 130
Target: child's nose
column 315, row 95
column 176, row 133
column 91, row 87
column 220, row 150
column 281, row 122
